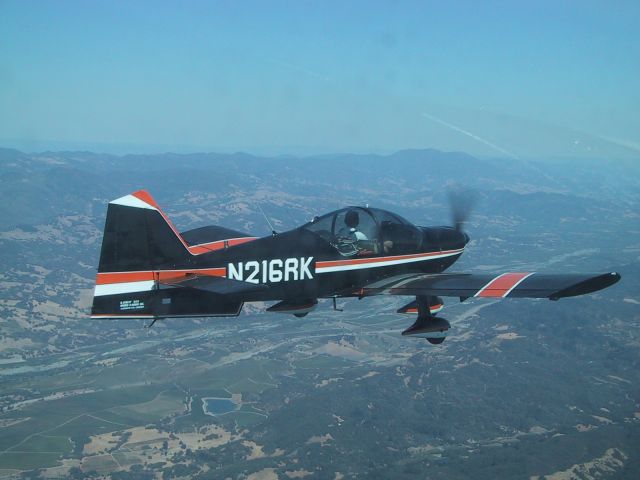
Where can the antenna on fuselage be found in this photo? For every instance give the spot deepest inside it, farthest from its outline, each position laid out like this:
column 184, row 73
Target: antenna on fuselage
column 273, row 231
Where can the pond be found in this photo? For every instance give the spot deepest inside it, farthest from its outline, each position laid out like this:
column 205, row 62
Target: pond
column 218, row 406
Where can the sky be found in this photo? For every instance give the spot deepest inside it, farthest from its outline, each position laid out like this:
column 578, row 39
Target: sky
column 513, row 78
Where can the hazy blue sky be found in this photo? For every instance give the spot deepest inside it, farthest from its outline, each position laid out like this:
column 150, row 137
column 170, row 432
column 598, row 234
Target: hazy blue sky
column 495, row 78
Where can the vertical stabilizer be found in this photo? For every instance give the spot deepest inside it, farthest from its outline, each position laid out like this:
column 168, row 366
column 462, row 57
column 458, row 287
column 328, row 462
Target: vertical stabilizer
column 139, row 248
column 139, row 237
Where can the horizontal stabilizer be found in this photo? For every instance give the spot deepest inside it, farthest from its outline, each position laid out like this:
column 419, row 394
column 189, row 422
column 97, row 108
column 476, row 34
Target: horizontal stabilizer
column 165, row 303
column 218, row 285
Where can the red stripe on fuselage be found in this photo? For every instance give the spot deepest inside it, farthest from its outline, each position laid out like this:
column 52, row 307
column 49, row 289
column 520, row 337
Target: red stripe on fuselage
column 107, row 278
column 359, row 261
column 502, row 284
column 219, row 245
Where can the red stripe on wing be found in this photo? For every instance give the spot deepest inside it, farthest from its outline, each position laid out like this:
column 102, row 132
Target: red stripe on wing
column 502, row 284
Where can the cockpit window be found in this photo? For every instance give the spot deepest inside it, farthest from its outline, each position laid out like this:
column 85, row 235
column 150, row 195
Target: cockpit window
column 398, row 235
column 322, row 225
column 357, row 231
column 384, row 216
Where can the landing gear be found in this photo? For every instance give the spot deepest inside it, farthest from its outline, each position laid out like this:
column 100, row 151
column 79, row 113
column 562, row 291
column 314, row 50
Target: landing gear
column 426, row 325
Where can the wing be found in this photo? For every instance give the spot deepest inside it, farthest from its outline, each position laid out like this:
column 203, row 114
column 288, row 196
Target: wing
column 512, row 284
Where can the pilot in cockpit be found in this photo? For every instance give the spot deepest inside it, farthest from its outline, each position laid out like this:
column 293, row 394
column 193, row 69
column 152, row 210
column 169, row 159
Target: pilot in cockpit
column 364, row 244
column 352, row 240
column 352, row 220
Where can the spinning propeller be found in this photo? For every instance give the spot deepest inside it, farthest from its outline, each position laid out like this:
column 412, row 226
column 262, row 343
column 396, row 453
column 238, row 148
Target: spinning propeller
column 461, row 201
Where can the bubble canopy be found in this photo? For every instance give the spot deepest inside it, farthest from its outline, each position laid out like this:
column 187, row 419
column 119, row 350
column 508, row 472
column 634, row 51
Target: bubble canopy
column 373, row 231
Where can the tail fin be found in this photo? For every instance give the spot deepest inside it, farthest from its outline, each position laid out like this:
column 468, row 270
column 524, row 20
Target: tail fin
column 139, row 244
column 138, row 240
column 138, row 236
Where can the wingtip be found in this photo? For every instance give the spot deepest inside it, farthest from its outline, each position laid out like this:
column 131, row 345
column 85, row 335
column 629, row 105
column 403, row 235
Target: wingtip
column 590, row 285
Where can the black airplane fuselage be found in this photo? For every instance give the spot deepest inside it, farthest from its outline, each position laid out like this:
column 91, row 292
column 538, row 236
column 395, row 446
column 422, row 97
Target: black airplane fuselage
column 301, row 264
column 331, row 256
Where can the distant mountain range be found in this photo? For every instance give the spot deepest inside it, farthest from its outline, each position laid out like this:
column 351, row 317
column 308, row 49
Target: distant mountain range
column 44, row 185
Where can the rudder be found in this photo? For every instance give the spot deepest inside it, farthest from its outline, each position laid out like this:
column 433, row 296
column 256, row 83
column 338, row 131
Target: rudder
column 139, row 237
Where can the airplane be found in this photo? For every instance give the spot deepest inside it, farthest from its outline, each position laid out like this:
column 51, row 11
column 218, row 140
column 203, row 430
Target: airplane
column 149, row 270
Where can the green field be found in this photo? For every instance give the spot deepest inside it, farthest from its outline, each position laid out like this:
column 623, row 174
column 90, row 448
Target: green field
column 59, row 422
column 244, row 419
column 47, row 444
column 165, row 403
column 28, row 460
column 249, row 385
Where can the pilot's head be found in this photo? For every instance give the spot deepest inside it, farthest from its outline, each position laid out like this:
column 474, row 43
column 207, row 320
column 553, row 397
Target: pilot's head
column 352, row 219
